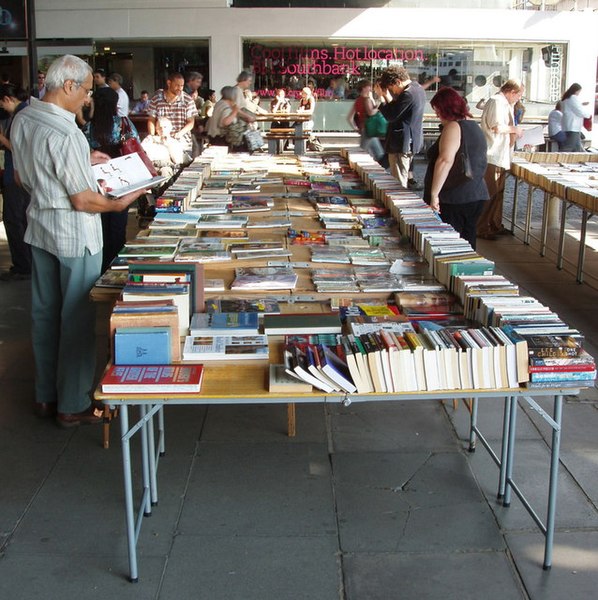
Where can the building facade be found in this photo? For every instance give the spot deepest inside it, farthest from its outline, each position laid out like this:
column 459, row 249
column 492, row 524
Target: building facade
column 472, row 49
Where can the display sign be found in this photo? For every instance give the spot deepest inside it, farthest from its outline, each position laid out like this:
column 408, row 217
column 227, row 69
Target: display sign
column 13, row 20
column 334, row 61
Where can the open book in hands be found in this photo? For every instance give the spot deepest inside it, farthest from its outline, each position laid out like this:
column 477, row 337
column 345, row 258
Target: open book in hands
column 123, row 175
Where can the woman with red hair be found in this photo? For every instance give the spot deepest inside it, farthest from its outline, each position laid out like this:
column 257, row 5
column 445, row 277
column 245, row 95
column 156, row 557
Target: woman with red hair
column 459, row 200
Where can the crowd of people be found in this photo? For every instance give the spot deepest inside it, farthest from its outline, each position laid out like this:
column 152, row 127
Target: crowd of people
column 62, row 232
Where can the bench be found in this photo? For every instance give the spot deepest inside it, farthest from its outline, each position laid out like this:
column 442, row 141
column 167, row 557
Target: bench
column 277, row 135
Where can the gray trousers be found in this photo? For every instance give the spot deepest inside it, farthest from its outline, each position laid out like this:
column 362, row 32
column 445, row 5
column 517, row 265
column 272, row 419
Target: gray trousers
column 63, row 328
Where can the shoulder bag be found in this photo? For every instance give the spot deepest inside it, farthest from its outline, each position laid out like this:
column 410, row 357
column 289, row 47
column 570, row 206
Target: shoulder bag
column 129, row 144
column 253, row 139
column 376, row 125
column 461, row 171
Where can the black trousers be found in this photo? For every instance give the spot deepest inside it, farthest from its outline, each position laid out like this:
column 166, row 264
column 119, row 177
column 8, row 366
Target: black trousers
column 16, row 201
column 464, row 218
column 114, row 231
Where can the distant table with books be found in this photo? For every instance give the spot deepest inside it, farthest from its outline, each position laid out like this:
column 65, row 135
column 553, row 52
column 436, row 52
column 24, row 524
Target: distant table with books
column 248, row 384
column 295, row 132
column 567, row 176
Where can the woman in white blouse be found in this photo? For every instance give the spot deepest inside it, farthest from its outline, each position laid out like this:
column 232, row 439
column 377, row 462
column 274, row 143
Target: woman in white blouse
column 574, row 112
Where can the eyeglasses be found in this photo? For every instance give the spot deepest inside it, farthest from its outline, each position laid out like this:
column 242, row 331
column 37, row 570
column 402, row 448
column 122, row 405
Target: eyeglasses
column 88, row 91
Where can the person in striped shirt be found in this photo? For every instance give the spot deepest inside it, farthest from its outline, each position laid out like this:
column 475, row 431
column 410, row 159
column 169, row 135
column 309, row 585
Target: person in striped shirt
column 53, row 163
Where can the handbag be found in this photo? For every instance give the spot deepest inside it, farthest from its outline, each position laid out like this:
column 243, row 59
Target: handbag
column 587, row 123
column 129, row 144
column 376, row 125
column 461, row 171
column 234, row 132
column 253, row 139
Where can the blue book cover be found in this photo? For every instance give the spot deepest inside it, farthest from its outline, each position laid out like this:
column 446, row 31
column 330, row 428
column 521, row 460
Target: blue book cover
column 142, row 346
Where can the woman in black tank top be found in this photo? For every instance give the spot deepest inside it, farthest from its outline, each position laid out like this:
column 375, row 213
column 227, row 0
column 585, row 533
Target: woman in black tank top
column 458, row 203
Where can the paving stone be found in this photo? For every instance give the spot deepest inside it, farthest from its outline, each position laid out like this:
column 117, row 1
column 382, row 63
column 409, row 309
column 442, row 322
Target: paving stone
column 446, row 576
column 253, row 568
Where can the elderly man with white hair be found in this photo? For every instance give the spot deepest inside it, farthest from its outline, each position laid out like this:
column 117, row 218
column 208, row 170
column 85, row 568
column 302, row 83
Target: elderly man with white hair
column 53, row 163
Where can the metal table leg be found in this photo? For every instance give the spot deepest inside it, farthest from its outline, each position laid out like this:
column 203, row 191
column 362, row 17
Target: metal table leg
column 502, row 477
column 510, row 450
column 128, row 484
column 151, row 447
column 582, row 244
column 145, row 452
column 553, row 485
column 528, row 213
column 515, row 203
column 161, row 433
column 561, row 249
column 473, row 423
column 544, row 231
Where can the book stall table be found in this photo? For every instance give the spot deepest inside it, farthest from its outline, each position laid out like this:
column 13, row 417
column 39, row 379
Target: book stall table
column 556, row 175
column 475, row 365
column 248, row 386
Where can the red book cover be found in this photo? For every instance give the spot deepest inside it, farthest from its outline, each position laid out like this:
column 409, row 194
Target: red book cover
column 152, row 379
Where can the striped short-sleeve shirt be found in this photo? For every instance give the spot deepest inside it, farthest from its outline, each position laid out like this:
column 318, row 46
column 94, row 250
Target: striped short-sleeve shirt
column 51, row 156
column 178, row 111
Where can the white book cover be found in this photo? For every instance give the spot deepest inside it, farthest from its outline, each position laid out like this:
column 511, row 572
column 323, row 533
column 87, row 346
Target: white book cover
column 123, row 175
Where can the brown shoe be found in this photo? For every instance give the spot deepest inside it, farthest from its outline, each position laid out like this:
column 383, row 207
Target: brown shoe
column 486, row 236
column 44, row 410
column 86, row 417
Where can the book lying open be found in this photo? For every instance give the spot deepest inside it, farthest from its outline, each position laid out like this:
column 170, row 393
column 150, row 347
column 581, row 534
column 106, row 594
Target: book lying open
column 123, row 175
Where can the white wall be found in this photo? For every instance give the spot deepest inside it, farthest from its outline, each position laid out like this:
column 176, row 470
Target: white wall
column 226, row 27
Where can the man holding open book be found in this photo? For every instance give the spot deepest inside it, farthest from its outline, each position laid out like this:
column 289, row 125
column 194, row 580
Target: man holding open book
column 52, row 162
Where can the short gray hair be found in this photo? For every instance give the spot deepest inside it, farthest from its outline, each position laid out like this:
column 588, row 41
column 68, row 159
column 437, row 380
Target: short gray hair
column 244, row 76
column 116, row 77
column 65, row 68
column 227, row 92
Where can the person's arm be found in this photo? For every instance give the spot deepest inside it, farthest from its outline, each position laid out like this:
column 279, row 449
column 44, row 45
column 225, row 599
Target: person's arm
column 578, row 108
column 98, row 158
column 5, row 141
column 226, row 120
column 189, row 124
column 351, row 118
column 450, row 140
column 395, row 109
column 151, row 125
column 93, row 202
column 370, row 106
column 498, row 123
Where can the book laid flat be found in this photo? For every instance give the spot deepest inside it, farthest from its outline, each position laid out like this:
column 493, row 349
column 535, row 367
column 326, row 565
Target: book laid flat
column 153, row 379
column 305, row 323
column 224, row 323
column 123, row 175
column 280, row 381
column 225, row 347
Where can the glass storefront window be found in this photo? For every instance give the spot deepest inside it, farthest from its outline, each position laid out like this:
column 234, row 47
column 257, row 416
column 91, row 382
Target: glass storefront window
column 476, row 69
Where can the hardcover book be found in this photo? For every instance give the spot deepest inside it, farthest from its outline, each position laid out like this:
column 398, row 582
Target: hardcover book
column 225, row 347
column 123, row 175
column 153, row 379
column 221, row 323
column 305, row 323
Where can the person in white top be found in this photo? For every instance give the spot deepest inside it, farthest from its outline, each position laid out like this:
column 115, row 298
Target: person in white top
column 115, row 82
column 555, row 124
column 574, row 112
column 500, row 131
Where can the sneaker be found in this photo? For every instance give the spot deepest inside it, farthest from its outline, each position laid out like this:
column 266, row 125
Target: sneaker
column 413, row 184
column 14, row 276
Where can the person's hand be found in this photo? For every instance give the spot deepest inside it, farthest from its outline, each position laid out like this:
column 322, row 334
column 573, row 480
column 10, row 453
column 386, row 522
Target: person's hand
column 98, row 158
column 435, row 204
column 127, row 199
column 519, row 132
